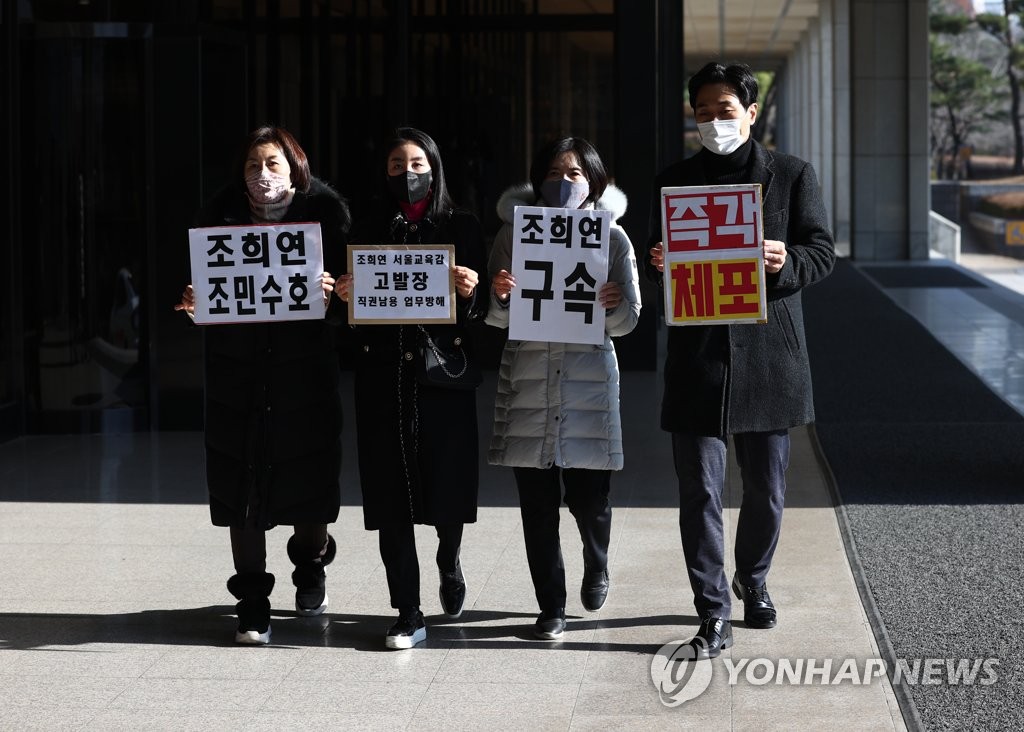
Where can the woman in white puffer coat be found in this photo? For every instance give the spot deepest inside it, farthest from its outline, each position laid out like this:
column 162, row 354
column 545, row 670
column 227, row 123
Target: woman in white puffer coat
column 556, row 417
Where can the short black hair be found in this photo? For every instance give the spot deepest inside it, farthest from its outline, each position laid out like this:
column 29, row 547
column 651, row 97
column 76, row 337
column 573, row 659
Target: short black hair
column 738, row 76
column 586, row 154
column 440, row 202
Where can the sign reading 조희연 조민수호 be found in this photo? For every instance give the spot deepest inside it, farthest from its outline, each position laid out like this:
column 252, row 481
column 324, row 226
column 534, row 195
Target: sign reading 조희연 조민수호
column 257, row 273
column 714, row 260
column 560, row 262
column 401, row 283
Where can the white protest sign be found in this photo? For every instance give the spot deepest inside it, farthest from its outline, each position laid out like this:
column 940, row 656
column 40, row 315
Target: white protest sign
column 560, row 262
column 257, row 273
column 401, row 283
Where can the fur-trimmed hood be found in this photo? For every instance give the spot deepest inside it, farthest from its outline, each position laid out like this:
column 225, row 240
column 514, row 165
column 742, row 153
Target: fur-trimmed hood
column 613, row 199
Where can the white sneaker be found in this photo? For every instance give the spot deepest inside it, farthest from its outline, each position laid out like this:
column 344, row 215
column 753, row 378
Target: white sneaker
column 407, row 632
column 310, row 612
column 252, row 637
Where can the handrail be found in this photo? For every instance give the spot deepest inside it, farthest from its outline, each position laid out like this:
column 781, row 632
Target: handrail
column 943, row 237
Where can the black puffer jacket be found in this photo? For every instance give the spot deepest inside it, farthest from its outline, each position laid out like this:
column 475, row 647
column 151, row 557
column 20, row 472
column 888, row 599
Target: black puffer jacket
column 273, row 410
column 417, row 444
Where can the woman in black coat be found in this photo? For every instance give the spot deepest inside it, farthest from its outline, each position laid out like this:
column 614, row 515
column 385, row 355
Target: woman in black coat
column 273, row 410
column 417, row 442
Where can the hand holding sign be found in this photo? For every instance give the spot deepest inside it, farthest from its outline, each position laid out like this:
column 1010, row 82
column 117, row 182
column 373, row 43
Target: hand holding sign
column 774, row 255
column 465, row 280
column 503, row 284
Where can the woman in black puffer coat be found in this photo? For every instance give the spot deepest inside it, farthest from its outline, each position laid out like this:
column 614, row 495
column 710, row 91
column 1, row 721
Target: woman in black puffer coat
column 417, row 443
column 273, row 410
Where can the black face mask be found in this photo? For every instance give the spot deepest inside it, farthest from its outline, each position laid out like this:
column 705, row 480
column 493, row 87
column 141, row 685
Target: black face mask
column 410, row 187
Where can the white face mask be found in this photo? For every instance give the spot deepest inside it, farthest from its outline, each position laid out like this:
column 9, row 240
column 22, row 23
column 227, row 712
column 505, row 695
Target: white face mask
column 267, row 187
column 721, row 136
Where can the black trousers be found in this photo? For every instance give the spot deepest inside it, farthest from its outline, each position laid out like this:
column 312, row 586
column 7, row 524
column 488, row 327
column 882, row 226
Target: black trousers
column 540, row 496
column 398, row 550
column 249, row 544
column 700, row 464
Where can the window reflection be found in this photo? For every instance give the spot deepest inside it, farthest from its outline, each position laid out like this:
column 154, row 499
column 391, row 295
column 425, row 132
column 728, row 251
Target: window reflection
column 84, row 233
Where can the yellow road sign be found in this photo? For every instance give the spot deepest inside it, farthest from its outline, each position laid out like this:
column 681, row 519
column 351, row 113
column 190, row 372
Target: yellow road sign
column 1015, row 233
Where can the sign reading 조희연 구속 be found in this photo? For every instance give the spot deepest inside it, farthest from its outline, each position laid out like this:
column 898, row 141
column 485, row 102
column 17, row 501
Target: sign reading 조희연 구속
column 560, row 262
column 712, row 240
column 399, row 283
column 257, row 273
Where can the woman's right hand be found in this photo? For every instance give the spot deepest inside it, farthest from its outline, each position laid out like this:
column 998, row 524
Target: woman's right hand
column 502, row 284
column 343, row 286
column 658, row 257
column 188, row 301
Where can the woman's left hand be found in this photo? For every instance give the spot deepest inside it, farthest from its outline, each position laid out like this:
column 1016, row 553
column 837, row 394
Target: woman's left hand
column 465, row 280
column 610, row 295
column 327, row 284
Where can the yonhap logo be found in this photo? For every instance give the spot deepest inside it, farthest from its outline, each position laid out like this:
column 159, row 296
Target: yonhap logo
column 680, row 677
column 676, row 676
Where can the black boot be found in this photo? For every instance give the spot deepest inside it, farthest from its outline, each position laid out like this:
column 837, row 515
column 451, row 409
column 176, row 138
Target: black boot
column 309, row 577
column 595, row 531
column 252, row 590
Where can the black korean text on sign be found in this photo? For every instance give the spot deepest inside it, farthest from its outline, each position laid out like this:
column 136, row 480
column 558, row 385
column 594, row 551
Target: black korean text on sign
column 218, row 296
column 256, row 248
column 580, row 299
column 532, row 228
column 546, row 292
column 245, row 294
column 297, row 291
column 292, row 241
column 219, row 251
column 589, row 227
column 271, row 294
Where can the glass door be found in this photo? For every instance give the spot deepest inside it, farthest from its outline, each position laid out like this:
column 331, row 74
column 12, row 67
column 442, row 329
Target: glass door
column 83, row 226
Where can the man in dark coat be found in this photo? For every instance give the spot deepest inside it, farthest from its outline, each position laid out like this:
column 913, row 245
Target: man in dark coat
column 751, row 381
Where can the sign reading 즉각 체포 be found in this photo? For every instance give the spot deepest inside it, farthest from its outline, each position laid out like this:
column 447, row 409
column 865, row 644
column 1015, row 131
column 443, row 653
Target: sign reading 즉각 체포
column 712, row 239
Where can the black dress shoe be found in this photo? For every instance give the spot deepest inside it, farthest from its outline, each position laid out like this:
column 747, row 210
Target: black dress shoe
column 714, row 636
column 758, row 608
column 594, row 590
column 550, row 624
column 453, row 591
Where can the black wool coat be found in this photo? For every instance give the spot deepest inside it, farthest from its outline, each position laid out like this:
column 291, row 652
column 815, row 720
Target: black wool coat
column 273, row 407
column 729, row 379
column 417, row 444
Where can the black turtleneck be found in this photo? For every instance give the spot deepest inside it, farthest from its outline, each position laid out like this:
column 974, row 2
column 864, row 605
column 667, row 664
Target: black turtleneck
column 731, row 169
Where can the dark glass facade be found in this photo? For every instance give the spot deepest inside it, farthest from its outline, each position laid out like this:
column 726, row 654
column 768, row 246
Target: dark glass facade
column 121, row 116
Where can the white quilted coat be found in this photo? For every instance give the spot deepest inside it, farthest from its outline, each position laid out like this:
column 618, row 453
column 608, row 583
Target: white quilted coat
column 558, row 403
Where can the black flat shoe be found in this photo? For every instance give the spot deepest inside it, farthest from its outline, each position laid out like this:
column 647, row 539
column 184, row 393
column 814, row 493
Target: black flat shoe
column 550, row 624
column 758, row 608
column 713, row 637
column 453, row 591
column 594, row 590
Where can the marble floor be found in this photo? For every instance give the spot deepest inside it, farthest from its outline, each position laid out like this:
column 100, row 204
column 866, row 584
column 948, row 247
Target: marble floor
column 114, row 614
